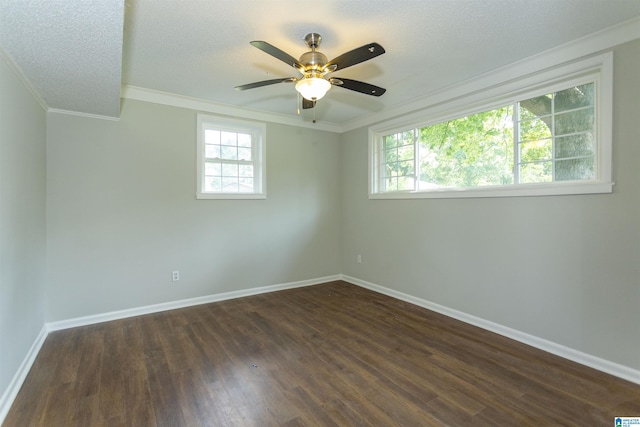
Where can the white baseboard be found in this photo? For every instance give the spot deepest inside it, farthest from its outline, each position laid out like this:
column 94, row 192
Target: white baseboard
column 12, row 390
column 603, row 365
column 172, row 305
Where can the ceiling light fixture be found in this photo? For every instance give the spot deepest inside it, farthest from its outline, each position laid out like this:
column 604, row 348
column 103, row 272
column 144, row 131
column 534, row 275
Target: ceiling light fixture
column 314, row 67
column 313, row 88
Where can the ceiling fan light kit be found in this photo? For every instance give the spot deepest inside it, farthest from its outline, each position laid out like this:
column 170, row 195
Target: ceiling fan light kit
column 314, row 67
column 313, row 88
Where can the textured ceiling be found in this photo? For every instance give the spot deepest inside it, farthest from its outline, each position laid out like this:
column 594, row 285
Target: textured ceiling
column 74, row 54
column 70, row 51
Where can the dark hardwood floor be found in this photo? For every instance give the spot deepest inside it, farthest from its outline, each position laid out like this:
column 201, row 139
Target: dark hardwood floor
column 326, row 355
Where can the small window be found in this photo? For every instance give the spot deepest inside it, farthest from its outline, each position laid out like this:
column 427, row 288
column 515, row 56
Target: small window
column 230, row 158
column 554, row 139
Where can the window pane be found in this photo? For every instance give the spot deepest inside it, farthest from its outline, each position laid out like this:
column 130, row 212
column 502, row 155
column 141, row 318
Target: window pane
column 406, row 168
column 213, row 184
column 575, row 121
column 229, row 170
column 535, row 172
column 575, row 97
column 246, row 185
column 398, row 161
column 400, row 183
column 535, row 108
column 212, row 151
column 212, row 169
column 406, row 138
column 228, row 153
column 392, row 169
column 246, row 171
column 405, row 183
column 391, row 184
column 244, row 140
column 531, row 130
column 575, row 145
column 391, row 155
column 390, row 141
column 575, row 169
column 244, row 154
column 211, row 136
column 406, row 152
column 397, row 140
column 476, row 150
column 230, row 185
column 229, row 138
column 400, row 169
column 536, row 150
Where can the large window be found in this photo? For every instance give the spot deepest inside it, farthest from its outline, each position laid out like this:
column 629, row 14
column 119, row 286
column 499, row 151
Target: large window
column 230, row 158
column 550, row 139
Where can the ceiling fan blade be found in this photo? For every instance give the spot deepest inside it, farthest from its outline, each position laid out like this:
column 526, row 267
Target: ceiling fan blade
column 355, row 85
column 279, row 54
column 265, row 83
column 306, row 104
column 356, row 56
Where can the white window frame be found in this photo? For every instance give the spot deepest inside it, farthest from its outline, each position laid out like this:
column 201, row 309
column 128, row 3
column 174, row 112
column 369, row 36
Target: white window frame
column 598, row 69
column 258, row 132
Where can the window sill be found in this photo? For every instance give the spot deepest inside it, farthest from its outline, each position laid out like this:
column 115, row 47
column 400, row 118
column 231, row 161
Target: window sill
column 231, row 196
column 523, row 190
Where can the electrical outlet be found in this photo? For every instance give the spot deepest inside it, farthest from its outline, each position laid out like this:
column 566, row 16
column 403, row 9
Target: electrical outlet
column 175, row 276
column 359, row 259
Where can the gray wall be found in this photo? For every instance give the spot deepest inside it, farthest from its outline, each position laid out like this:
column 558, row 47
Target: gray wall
column 562, row 268
column 122, row 213
column 118, row 202
column 22, row 222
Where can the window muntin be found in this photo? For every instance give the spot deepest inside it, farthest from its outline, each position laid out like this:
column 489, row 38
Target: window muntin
column 230, row 158
column 398, row 161
column 556, row 136
column 228, row 161
column 543, row 142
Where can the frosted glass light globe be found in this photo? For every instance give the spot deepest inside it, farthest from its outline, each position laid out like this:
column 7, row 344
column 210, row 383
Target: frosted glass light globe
column 313, row 88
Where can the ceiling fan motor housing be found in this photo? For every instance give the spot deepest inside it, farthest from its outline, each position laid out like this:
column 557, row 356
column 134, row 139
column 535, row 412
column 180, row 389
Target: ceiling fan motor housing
column 313, row 60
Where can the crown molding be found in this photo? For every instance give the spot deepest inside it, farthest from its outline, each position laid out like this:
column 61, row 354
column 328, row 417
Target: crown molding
column 81, row 114
column 566, row 53
column 580, row 48
column 166, row 98
column 23, row 79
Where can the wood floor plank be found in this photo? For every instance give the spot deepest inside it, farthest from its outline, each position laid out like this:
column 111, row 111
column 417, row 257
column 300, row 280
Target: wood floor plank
column 326, row 355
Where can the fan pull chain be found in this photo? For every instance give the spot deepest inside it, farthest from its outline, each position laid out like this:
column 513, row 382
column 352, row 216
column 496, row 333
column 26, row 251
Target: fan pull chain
column 313, row 50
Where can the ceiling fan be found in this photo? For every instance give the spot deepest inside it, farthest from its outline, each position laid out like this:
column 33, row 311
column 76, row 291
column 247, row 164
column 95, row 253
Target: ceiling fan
column 314, row 67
